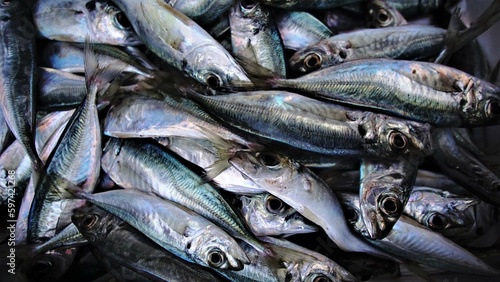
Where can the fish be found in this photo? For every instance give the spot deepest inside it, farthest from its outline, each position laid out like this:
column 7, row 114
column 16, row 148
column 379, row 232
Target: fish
column 382, row 14
column 410, row 240
column 267, row 215
column 184, row 45
column 432, row 93
column 255, row 37
column 292, row 119
column 82, row 140
column 306, row 5
column 385, row 187
column 407, row 42
column 440, row 210
column 4, row 133
column 69, row 237
column 298, row 187
column 60, row 89
column 149, row 168
column 107, row 233
column 299, row 29
column 202, row 12
column 72, row 21
column 194, row 238
column 18, row 75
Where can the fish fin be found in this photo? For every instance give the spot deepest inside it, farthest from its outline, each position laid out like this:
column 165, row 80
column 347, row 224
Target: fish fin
column 463, row 204
column 261, row 78
column 452, row 36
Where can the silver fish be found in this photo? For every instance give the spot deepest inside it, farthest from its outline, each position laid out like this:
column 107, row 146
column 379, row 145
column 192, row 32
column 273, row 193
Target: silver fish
column 308, row 4
column 194, row 238
column 267, row 215
column 73, row 20
column 201, row 11
column 4, row 132
column 255, row 37
column 184, row 44
column 410, row 240
column 17, row 77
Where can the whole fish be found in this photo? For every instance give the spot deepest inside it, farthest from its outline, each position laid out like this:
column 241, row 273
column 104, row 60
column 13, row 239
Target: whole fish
column 411, row 241
column 308, row 4
column 440, row 210
column 18, row 75
column 182, row 43
column 107, row 233
column 385, row 187
column 421, row 91
column 408, row 42
column 255, row 37
column 72, row 21
column 292, row 119
column 267, row 215
column 193, row 238
column 305, row 192
column 299, row 29
column 149, row 168
column 81, row 140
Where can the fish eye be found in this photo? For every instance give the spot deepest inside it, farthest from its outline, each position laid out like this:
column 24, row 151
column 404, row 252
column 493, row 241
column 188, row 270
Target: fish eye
column 437, row 221
column 351, row 214
column 248, row 4
column 274, row 205
column 321, row 278
column 312, row 61
column 90, row 6
column 269, row 160
column 89, row 221
column 383, row 17
column 216, row 258
column 397, row 140
column 213, row 81
column 493, row 108
column 42, row 267
column 390, row 205
column 122, row 21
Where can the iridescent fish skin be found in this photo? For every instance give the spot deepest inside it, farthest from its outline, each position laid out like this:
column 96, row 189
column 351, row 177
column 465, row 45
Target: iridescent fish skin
column 18, row 75
column 107, row 233
column 385, row 187
column 201, row 11
column 73, row 20
column 427, row 92
column 440, row 210
column 182, row 43
column 255, row 38
column 308, row 4
column 300, row 29
column 409, row 42
column 267, row 215
column 194, row 238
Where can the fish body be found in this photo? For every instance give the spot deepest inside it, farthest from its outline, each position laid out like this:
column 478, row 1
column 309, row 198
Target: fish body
column 193, row 238
column 107, row 233
column 201, row 11
column 60, row 89
column 255, row 37
column 422, row 91
column 18, row 75
column 305, row 5
column 182, row 43
column 408, row 42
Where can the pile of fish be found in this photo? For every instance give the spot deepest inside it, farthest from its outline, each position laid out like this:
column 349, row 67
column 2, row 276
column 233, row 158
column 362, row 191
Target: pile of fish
column 246, row 140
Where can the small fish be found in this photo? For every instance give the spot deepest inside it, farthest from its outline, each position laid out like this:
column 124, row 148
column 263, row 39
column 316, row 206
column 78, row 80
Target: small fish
column 203, row 12
column 72, row 21
column 194, row 238
column 267, row 215
column 107, row 233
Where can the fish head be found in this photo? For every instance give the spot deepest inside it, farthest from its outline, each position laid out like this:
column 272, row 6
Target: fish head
column 94, row 223
column 268, row 169
column 380, row 14
column 215, row 67
column 324, row 271
column 400, row 137
column 480, row 105
column 213, row 247
column 248, row 9
column 320, row 55
column 268, row 215
column 109, row 24
column 439, row 210
column 352, row 212
column 385, row 187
